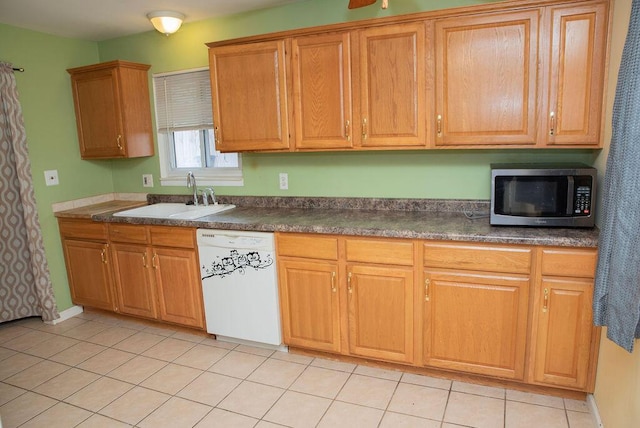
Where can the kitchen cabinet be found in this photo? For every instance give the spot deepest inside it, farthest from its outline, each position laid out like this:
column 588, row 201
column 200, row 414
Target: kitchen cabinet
column 578, row 45
column 309, row 298
column 88, row 263
column 157, row 273
column 113, row 111
column 486, row 79
column 564, row 338
column 476, row 301
column 250, row 96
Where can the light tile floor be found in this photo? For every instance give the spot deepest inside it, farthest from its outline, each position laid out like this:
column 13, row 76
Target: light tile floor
column 100, row 371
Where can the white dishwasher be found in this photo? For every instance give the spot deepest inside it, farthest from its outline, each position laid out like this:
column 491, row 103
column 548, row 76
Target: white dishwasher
column 239, row 286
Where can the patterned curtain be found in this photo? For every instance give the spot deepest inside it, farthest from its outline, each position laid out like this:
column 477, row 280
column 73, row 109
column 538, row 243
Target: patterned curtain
column 25, row 285
column 616, row 302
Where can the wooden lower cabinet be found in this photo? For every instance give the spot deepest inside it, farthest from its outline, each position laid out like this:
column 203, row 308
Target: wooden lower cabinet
column 134, row 280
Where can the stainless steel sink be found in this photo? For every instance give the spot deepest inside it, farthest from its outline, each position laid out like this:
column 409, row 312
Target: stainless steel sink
column 174, row 211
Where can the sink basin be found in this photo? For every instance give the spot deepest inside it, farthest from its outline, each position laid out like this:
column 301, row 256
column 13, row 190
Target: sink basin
column 174, row 211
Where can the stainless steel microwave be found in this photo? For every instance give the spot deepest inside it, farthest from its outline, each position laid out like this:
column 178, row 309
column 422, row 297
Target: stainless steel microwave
column 546, row 195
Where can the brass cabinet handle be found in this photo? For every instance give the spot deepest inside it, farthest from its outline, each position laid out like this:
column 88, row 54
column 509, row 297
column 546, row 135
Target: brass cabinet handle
column 216, row 135
column 552, row 123
column 103, row 254
column 333, row 282
column 144, row 260
column 545, row 306
column 154, row 261
column 347, row 130
column 439, row 125
column 349, row 283
column 119, row 143
column 364, row 128
column 427, row 283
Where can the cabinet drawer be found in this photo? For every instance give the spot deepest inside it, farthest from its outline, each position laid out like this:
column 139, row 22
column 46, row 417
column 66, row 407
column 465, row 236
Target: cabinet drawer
column 128, row 233
column 575, row 262
column 313, row 247
column 477, row 257
column 173, row 236
column 83, row 229
column 379, row 251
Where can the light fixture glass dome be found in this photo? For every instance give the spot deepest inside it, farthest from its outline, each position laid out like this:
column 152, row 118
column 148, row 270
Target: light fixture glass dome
column 166, row 21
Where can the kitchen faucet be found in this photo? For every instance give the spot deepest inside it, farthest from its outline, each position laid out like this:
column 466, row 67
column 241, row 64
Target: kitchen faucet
column 205, row 196
column 191, row 183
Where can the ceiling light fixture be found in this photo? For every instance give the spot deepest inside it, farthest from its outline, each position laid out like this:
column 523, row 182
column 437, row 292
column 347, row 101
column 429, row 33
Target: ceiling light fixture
column 166, row 21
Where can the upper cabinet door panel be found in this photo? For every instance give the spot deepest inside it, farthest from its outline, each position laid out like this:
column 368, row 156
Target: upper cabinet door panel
column 248, row 88
column 576, row 70
column 322, row 91
column 393, row 85
column 486, row 79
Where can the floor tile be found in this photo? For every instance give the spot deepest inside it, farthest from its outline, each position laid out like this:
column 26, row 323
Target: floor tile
column 277, row 373
column 475, row 410
column 99, row 421
column 106, row 361
column 219, row 418
column 219, row 343
column 137, row 369
column 542, row 400
column 169, row 349
column 135, row 405
column 345, row 415
column 36, row 374
column 251, row 399
column 62, row 415
column 263, row 352
column 9, row 392
column 298, row 410
column 77, row 353
column 333, row 365
column 65, row 325
column 524, row 415
column 265, row 424
column 132, row 324
column 67, row 383
column 237, row 364
column 397, row 420
column 472, row 388
column 171, row 378
column 16, row 363
column 9, row 332
column 379, row 373
column 367, row 391
column 111, row 336
column 189, row 337
column 421, row 401
column 99, row 394
column 576, row 405
column 176, row 412
column 52, row 346
column 201, row 357
column 28, row 340
column 580, row 420
column 209, row 388
column 159, row 330
column 433, row 382
column 321, row 382
column 6, row 353
column 23, row 408
column 139, row 342
column 85, row 330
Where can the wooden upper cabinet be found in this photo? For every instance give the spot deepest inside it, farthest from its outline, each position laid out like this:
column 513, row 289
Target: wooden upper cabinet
column 576, row 74
column 249, row 94
column 113, row 111
column 486, row 79
column 321, row 70
column 392, row 78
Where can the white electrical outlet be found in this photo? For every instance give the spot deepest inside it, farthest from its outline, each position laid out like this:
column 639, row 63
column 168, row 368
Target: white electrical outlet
column 51, row 177
column 284, row 181
column 147, row 180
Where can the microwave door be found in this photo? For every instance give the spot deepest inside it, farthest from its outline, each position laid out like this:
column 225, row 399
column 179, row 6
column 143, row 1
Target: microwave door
column 570, row 189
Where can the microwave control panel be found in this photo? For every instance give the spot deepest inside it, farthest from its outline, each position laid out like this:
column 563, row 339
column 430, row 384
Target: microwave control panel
column 583, row 200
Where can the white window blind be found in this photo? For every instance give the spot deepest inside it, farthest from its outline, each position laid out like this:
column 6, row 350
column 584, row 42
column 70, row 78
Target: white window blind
column 183, row 101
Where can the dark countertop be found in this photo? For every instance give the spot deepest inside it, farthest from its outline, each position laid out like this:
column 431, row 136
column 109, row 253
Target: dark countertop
column 437, row 220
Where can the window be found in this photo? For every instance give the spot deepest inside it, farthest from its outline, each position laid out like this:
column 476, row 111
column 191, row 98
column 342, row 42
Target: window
column 185, row 132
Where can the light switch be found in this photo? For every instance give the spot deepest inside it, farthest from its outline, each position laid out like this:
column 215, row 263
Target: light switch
column 51, row 177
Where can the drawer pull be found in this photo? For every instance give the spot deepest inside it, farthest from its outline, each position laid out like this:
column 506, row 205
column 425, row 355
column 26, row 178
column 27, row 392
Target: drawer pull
column 364, row 128
column 545, row 305
column 118, row 142
column 333, row 282
column 439, row 125
column 144, row 260
column 349, row 283
column 552, row 127
column 103, row 255
column 427, row 283
column 347, row 130
column 154, row 261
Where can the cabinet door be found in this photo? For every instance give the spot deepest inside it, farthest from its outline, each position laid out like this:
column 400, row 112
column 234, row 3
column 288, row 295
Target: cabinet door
column 486, row 79
column 381, row 312
column 309, row 304
column 322, row 91
column 392, row 94
column 249, row 93
column 179, row 287
column 476, row 323
column 89, row 273
column 576, row 70
column 132, row 265
column 562, row 334
column 97, row 105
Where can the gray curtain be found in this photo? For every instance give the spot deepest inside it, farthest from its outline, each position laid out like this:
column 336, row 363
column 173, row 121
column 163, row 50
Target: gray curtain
column 617, row 288
column 25, row 285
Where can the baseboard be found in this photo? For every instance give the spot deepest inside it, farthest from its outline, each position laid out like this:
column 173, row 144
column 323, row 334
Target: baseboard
column 593, row 407
column 66, row 314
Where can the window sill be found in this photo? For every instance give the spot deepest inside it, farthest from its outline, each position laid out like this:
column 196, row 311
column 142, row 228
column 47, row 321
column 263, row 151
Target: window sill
column 203, row 181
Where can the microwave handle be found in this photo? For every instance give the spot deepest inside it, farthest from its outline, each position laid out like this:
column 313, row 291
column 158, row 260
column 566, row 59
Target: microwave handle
column 570, row 191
